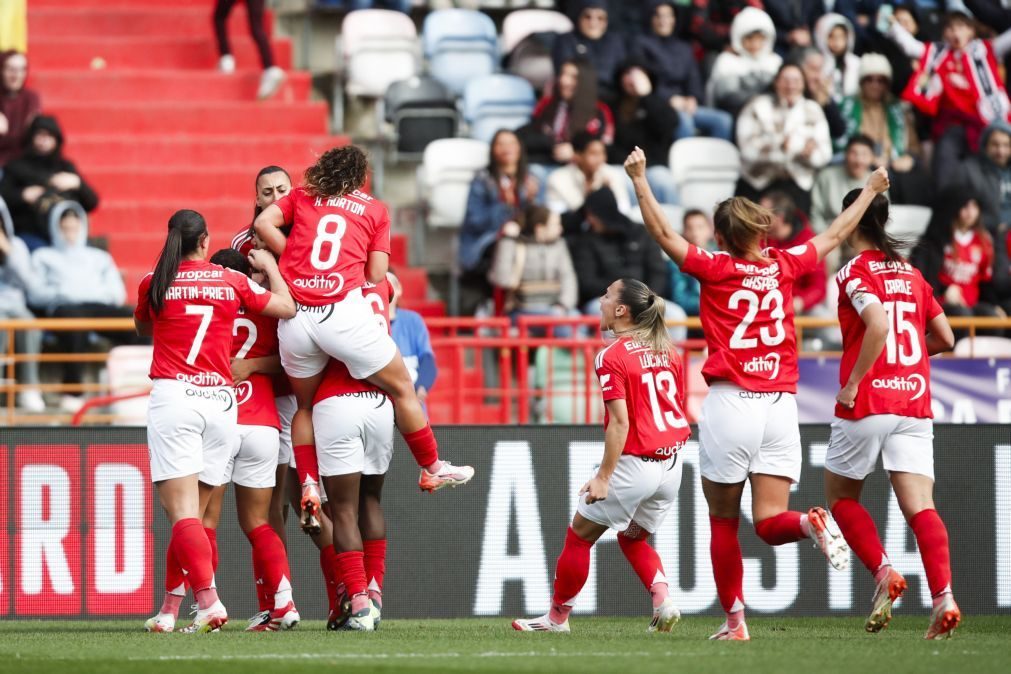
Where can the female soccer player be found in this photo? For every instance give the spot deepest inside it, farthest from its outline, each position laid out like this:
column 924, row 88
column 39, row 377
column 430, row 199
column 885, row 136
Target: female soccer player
column 747, row 317
column 890, row 323
column 340, row 238
column 641, row 382
column 189, row 306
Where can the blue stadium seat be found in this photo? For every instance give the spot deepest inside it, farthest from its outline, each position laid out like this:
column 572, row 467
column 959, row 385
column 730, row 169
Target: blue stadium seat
column 460, row 44
column 496, row 102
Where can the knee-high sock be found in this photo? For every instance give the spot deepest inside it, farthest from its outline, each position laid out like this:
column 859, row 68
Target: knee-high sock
column 647, row 565
column 306, row 463
column 375, row 567
column 423, row 446
column 351, row 570
column 175, row 584
column 193, row 551
column 571, row 571
column 932, row 537
column 273, row 563
column 861, row 534
column 728, row 565
column 264, row 596
column 782, row 529
column 212, row 538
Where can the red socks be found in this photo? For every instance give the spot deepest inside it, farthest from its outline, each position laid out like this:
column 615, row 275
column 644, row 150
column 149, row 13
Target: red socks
column 306, row 463
column 264, row 596
column 175, row 579
column 858, row 529
column 423, row 446
column 193, row 551
column 351, row 572
column 272, row 560
column 375, row 567
column 571, row 571
column 932, row 537
column 647, row 565
column 328, row 562
column 212, row 538
column 781, row 529
column 728, row 565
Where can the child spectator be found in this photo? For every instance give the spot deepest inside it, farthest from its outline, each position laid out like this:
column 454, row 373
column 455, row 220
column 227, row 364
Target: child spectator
column 835, row 39
column 987, row 174
column 569, row 186
column 41, row 178
column 784, row 140
column 411, row 336
column 15, row 279
column 685, row 289
column 835, row 182
column 590, row 40
column 18, row 105
column 748, row 69
column 790, row 228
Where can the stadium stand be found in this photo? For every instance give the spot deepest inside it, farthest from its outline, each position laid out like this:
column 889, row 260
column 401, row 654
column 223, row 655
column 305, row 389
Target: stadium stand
column 496, row 102
column 460, row 44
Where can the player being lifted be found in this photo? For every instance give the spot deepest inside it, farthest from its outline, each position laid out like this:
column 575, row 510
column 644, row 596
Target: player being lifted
column 891, row 324
column 749, row 428
column 189, row 307
column 637, row 481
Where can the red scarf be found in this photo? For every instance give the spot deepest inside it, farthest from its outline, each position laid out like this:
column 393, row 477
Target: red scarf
column 966, row 82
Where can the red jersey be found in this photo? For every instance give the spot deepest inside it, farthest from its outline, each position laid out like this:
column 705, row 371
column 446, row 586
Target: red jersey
column 899, row 380
column 652, row 386
column 243, row 240
column 330, row 242
column 193, row 331
column 337, row 380
column 968, row 263
column 746, row 310
column 255, row 336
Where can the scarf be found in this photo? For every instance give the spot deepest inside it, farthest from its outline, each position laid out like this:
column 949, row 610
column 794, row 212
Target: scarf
column 966, row 81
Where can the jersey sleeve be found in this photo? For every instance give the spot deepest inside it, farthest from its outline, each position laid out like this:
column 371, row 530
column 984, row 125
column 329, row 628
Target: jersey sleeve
column 800, row 259
column 143, row 311
column 857, row 288
column 287, row 206
column 381, row 236
column 701, row 263
column 935, row 309
column 612, row 384
column 253, row 296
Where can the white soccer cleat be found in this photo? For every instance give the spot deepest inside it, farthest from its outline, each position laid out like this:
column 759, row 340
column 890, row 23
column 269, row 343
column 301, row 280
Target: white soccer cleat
column 377, row 613
column 163, row 622
column 828, row 538
column 447, row 476
column 665, row 616
column 542, row 624
column 363, row 621
column 270, row 82
column 887, row 592
column 944, row 619
column 209, row 619
column 739, row 633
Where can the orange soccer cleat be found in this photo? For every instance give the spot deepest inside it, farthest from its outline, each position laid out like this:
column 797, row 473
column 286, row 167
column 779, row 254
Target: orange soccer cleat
column 888, row 591
column 944, row 619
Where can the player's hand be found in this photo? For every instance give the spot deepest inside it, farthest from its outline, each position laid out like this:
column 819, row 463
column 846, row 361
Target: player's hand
column 635, row 165
column 847, row 396
column 595, row 490
column 878, row 181
column 242, row 369
column 262, row 260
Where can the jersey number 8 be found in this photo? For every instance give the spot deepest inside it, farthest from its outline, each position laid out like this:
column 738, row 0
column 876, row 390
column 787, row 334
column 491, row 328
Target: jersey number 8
column 330, row 230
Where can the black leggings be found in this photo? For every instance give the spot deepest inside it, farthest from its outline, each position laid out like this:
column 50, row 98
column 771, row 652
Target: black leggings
column 254, row 8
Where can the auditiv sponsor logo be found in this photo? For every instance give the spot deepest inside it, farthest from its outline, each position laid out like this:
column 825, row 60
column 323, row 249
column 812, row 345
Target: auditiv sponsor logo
column 767, row 364
column 914, row 383
column 202, row 379
column 332, row 283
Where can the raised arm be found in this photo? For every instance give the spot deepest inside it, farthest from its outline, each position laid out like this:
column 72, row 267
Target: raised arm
column 675, row 245
column 268, row 227
column 847, row 221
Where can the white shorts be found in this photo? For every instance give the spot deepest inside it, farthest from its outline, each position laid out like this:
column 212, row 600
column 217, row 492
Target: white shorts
column 190, row 430
column 906, row 445
column 354, row 434
column 254, row 458
column 642, row 490
column 347, row 331
column 286, row 407
column 744, row 432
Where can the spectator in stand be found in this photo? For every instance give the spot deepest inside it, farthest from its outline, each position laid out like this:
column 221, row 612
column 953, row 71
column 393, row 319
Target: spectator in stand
column 835, row 182
column 572, row 108
column 40, row 179
column 1001, row 284
column 956, row 255
column 784, row 140
column 957, row 84
column 676, row 76
column 18, row 105
column 76, row 280
column 794, row 20
column 15, row 279
column 498, row 194
column 835, row 39
column 411, row 336
column 987, row 174
column 592, row 42
column 790, row 228
column 643, row 118
column 747, row 69
column 685, row 290
column 569, row 186
column 818, row 88
column 532, row 265
column 273, row 76
column 709, row 23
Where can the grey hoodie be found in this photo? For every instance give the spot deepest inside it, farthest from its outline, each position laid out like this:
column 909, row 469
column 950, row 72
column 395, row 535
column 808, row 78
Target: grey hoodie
column 990, row 183
column 15, row 272
column 72, row 272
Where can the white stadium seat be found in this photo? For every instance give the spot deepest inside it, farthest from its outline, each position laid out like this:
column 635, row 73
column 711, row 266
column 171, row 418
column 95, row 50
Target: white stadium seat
column 379, row 47
column 460, row 44
column 523, row 22
column 496, row 102
column 705, row 170
column 127, row 371
column 983, row 347
column 908, row 223
column 447, row 168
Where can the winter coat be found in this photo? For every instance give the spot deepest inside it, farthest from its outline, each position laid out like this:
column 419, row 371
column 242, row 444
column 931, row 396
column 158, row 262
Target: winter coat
column 20, row 108
column 624, row 251
column 737, row 76
column 984, row 179
column 791, row 14
column 709, row 21
column 72, row 272
column 831, row 185
column 605, row 55
column 844, row 71
column 672, row 63
column 567, row 188
column 485, row 215
column 651, row 128
column 16, row 275
column 536, row 271
column 852, row 110
column 540, row 135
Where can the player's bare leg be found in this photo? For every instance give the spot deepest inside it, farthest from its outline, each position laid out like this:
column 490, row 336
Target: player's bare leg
column 269, row 558
column 725, row 550
column 277, row 502
column 372, row 525
column 343, row 493
column 303, row 444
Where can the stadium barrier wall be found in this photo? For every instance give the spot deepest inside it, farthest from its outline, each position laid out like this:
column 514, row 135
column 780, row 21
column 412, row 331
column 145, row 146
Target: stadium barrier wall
column 82, row 536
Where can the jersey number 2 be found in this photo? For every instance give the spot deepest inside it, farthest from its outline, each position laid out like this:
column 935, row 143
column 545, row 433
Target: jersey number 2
column 330, row 230
column 663, row 382
column 250, row 326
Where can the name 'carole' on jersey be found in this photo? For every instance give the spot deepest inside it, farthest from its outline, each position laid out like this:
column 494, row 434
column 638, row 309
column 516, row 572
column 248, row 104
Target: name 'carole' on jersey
column 899, row 380
column 651, row 385
column 193, row 331
column 746, row 310
column 329, row 244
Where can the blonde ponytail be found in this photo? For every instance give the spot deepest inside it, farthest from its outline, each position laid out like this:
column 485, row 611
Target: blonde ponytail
column 648, row 311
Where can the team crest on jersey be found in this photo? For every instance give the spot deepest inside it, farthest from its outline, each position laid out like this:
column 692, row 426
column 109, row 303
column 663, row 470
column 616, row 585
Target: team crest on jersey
column 913, row 383
column 767, row 364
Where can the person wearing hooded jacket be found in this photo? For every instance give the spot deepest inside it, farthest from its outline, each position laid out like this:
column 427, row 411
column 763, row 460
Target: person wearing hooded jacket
column 591, row 41
column 19, row 105
column 15, row 278
column 41, row 178
column 747, row 70
column 835, row 38
column 75, row 280
column 987, row 174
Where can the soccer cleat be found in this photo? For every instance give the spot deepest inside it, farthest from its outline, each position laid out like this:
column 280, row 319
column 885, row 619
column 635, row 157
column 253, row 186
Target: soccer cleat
column 665, row 616
column 257, row 622
column 828, row 538
column 739, row 633
column 310, row 504
column 363, row 621
column 447, row 476
column 339, row 618
column 377, row 613
column 284, row 618
column 542, row 624
column 209, row 619
column 888, row 591
column 163, row 622
column 944, row 619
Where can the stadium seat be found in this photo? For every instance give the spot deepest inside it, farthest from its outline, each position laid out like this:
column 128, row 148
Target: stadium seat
column 460, row 44
column 127, row 370
column 496, row 102
column 421, row 110
column 527, row 38
column 524, row 22
column 705, row 170
column 447, row 169
column 983, row 347
column 908, row 223
column 675, row 215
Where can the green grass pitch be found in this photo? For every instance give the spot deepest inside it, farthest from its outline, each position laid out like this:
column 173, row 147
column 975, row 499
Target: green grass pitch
column 820, row 645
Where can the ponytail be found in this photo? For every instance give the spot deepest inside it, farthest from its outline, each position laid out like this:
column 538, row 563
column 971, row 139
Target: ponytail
column 872, row 226
column 185, row 229
column 742, row 223
column 648, row 311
